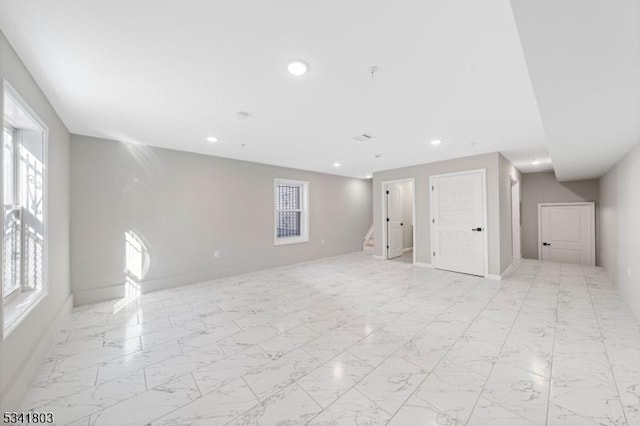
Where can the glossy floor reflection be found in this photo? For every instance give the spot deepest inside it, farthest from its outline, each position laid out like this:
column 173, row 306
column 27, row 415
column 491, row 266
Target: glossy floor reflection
column 353, row 340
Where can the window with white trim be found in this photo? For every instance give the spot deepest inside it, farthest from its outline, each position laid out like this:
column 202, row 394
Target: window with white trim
column 23, row 219
column 291, row 216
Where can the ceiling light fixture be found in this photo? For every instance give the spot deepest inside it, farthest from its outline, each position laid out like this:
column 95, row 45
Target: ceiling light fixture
column 212, row 139
column 436, row 142
column 336, row 164
column 368, row 176
column 535, row 162
column 298, row 67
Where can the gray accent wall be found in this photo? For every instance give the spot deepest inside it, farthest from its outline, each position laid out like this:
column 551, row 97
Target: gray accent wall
column 23, row 351
column 620, row 226
column 496, row 210
column 184, row 207
column 544, row 188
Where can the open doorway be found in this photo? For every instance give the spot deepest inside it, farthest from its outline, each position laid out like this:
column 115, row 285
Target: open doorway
column 398, row 220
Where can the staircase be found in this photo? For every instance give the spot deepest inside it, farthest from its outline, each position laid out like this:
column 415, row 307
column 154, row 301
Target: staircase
column 369, row 241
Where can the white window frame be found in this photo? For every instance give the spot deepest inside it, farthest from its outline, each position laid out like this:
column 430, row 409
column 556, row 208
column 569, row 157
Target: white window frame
column 19, row 305
column 304, row 210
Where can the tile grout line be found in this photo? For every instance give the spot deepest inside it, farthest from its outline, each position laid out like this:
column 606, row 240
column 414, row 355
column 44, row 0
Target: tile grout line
column 448, row 350
column 504, row 342
column 376, row 366
column 553, row 346
column 606, row 351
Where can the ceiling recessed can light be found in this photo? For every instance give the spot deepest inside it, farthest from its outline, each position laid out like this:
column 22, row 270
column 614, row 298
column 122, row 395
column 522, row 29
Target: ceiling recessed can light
column 368, row 176
column 436, row 142
column 298, row 67
column 336, row 164
column 535, row 162
column 212, row 139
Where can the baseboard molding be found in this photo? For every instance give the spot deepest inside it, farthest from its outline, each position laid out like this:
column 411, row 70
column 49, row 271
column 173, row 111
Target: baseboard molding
column 423, row 265
column 509, row 271
column 31, row 366
column 506, row 274
column 117, row 291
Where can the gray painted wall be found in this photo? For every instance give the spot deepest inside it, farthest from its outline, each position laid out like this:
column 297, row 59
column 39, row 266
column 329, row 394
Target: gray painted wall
column 545, row 188
column 620, row 235
column 22, row 352
column 421, row 173
column 185, row 206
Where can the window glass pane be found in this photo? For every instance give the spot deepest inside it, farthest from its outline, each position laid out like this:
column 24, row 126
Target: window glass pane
column 7, row 167
column 11, row 240
column 289, row 224
column 288, row 197
column 31, row 171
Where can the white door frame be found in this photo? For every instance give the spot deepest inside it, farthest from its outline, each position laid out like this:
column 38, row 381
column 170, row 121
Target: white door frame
column 483, row 173
column 383, row 227
column 516, row 231
column 592, row 228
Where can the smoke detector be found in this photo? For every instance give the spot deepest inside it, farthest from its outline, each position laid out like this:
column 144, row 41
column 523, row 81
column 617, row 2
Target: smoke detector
column 363, row 137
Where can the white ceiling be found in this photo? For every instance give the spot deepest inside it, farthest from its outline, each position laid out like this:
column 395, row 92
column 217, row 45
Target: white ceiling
column 170, row 74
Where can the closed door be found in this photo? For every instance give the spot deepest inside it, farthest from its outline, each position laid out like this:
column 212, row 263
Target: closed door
column 394, row 222
column 567, row 233
column 458, row 222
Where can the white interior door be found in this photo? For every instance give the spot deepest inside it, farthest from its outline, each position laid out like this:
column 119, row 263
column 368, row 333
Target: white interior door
column 458, row 222
column 394, row 222
column 567, row 233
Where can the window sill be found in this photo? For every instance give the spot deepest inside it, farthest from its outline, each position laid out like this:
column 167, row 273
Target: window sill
column 287, row 241
column 17, row 308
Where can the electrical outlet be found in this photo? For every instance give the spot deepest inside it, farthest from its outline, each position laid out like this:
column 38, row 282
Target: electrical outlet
column 216, row 254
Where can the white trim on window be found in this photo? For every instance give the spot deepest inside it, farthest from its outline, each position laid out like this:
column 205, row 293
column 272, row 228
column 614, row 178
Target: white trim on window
column 19, row 305
column 303, row 210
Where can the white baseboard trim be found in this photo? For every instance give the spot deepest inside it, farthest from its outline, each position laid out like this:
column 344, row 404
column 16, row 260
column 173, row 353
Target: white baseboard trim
column 509, row 271
column 506, row 274
column 404, row 250
column 423, row 265
column 375, row 256
column 31, row 366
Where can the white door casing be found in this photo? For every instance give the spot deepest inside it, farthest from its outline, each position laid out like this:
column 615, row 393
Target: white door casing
column 566, row 233
column 394, row 222
column 458, row 222
column 515, row 221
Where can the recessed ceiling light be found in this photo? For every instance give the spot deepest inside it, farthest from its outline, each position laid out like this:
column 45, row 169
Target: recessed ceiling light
column 436, row 142
column 336, row 164
column 298, row 67
column 368, row 176
column 212, row 139
column 535, row 162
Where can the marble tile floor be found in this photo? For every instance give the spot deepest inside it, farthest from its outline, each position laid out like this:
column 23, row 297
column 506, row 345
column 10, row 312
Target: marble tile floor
column 353, row 340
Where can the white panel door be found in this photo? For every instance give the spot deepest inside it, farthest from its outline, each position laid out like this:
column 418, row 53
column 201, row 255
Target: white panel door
column 458, row 218
column 394, row 222
column 567, row 233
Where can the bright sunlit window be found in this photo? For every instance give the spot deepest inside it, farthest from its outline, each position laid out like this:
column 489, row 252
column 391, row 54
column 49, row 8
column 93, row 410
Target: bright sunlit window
column 23, row 221
column 291, row 199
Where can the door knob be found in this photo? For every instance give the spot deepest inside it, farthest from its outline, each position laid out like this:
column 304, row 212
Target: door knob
column 546, row 244
column 401, row 224
column 477, row 229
